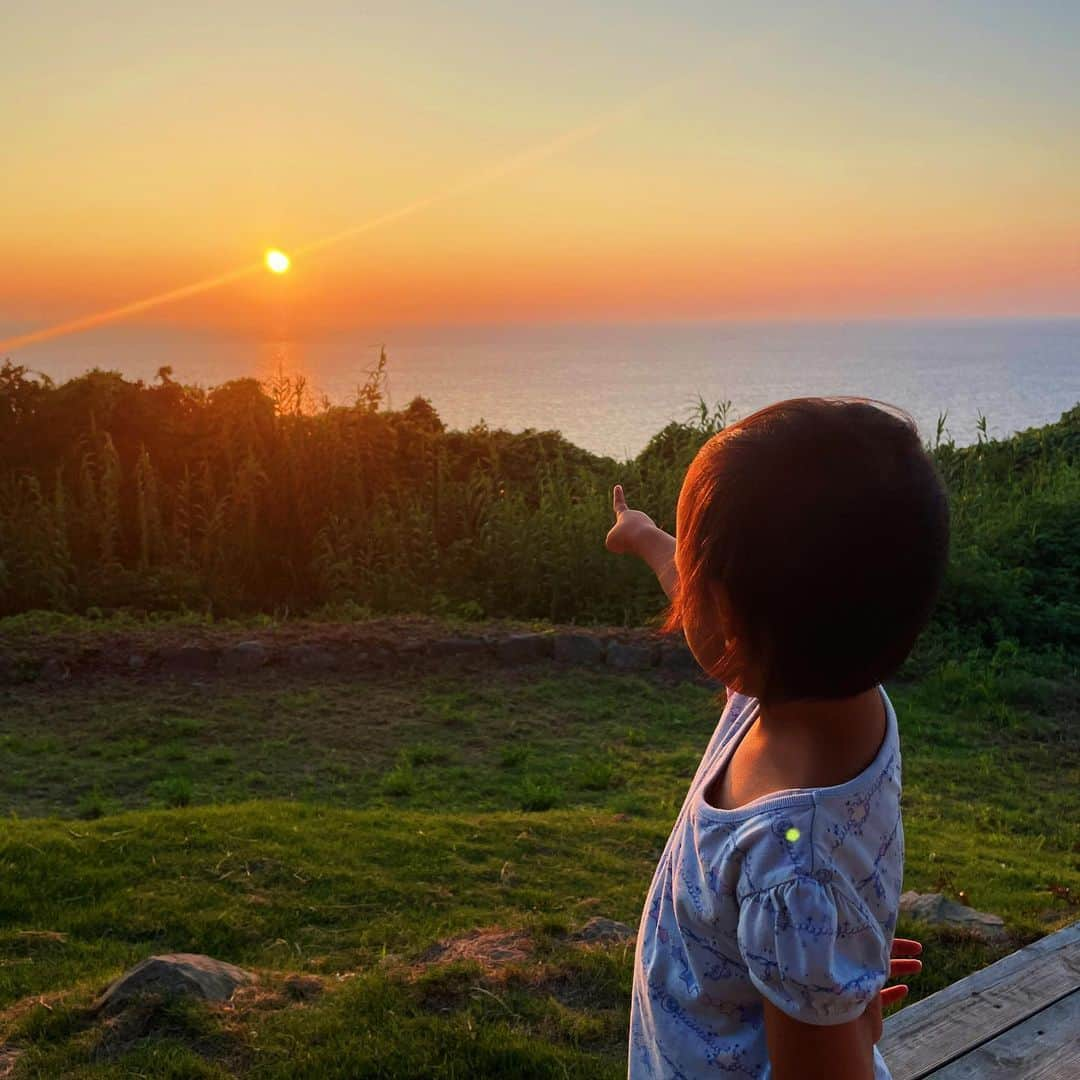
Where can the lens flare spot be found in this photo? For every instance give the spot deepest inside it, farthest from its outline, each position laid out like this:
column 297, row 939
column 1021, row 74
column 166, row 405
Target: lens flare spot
column 792, row 835
column 277, row 261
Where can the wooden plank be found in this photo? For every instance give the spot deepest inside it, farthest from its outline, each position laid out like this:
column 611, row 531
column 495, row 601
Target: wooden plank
column 1046, row 1046
column 932, row 1032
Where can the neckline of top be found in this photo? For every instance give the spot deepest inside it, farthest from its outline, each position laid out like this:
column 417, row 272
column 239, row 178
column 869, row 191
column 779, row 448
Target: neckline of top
column 788, row 796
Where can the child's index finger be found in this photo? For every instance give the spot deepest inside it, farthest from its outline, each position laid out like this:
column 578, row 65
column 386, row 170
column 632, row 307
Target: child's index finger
column 618, row 500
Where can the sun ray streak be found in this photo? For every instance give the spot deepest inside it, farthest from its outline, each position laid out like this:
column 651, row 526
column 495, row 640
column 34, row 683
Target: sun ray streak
column 515, row 163
column 89, row 322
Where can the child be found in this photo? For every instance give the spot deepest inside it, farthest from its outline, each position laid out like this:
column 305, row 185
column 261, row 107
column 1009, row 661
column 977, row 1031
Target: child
column 812, row 540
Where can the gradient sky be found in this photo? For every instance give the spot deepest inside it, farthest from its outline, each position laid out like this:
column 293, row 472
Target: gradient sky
column 802, row 160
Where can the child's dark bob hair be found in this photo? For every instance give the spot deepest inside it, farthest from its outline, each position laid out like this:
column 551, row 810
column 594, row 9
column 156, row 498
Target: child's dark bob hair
column 823, row 525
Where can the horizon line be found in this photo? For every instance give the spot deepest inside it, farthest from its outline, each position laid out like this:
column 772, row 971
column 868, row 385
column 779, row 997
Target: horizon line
column 148, row 332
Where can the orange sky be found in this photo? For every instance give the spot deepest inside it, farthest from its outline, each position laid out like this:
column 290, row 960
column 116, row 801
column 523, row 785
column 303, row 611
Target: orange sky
column 856, row 162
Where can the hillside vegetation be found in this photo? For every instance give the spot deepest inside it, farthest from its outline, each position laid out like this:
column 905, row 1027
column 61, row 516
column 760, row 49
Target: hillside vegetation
column 251, row 497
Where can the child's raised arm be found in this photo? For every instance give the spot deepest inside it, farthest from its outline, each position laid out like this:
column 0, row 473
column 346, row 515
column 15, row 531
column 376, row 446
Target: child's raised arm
column 635, row 533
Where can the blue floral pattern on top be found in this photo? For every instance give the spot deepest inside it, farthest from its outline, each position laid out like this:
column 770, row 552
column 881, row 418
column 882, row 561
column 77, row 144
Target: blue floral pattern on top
column 792, row 898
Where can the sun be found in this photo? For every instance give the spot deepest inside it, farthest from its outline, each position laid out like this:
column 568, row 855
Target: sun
column 277, row 261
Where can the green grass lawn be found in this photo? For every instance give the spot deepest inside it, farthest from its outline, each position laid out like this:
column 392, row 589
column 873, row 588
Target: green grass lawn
column 340, row 826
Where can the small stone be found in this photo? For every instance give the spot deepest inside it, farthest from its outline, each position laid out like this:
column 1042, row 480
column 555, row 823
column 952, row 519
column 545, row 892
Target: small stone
column 523, row 648
column 379, row 656
column 189, row 660
column 310, row 657
column 174, row 975
column 458, row 646
column 303, row 987
column 136, row 662
column 679, row 660
column 579, row 649
column 938, row 910
column 624, row 657
column 55, row 670
column 600, row 929
column 244, row 656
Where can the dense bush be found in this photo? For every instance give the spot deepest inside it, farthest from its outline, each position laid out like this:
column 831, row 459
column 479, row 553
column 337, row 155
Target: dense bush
column 251, row 497
column 1015, row 567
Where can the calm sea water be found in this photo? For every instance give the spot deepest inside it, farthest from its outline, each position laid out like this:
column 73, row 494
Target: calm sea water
column 610, row 388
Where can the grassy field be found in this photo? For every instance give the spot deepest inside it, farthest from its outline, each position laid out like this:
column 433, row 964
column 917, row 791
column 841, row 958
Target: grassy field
column 339, row 826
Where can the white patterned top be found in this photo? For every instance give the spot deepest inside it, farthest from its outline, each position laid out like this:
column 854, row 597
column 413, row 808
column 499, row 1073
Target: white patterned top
column 792, row 897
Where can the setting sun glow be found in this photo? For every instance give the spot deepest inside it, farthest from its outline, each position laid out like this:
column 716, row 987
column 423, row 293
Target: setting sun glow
column 277, row 261
column 909, row 161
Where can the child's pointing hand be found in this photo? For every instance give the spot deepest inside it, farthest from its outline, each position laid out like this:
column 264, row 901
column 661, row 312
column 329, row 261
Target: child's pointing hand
column 635, row 533
column 630, row 528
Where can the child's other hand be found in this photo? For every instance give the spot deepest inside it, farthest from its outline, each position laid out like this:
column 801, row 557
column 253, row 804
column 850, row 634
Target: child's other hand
column 902, row 962
column 630, row 528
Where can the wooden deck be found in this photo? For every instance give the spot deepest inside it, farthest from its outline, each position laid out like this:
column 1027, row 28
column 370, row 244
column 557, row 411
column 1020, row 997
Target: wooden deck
column 1018, row 1019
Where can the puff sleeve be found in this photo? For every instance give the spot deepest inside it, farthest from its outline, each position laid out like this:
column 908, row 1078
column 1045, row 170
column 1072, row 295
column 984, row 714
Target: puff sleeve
column 813, row 949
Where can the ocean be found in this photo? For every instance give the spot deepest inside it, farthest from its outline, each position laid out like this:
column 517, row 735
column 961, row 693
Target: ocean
column 609, row 388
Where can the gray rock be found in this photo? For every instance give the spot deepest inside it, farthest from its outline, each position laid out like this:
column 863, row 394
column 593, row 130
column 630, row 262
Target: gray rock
column 174, row 975
column 55, row 670
column 304, row 987
column 189, row 660
column 623, row 657
column 523, row 648
column 381, row 656
column 579, row 649
column 679, row 660
column 244, row 656
column 311, row 657
column 939, row 910
column 136, row 662
column 600, row 929
column 458, row 646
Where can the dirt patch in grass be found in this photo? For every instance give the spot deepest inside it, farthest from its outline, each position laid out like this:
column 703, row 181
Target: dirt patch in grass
column 489, row 947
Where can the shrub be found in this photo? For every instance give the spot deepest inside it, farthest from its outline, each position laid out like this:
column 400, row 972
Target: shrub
column 400, row 780
column 173, row 791
column 539, row 794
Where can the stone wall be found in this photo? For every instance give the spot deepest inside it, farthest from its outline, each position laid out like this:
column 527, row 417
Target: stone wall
column 211, row 652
